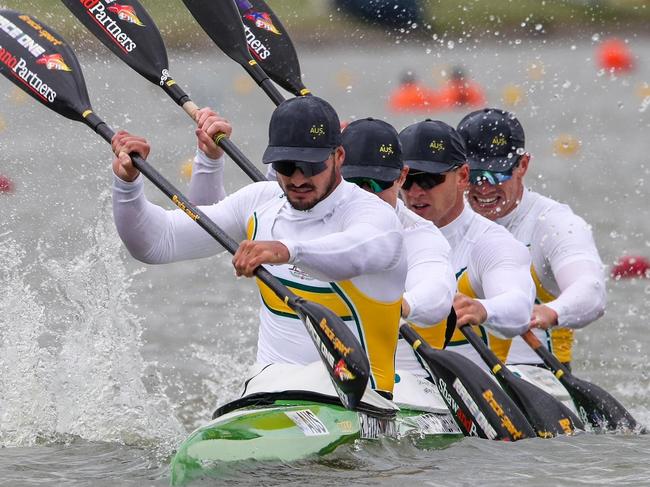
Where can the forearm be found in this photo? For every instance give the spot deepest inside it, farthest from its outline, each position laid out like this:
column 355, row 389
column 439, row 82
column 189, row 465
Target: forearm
column 580, row 303
column 360, row 249
column 508, row 313
column 206, row 185
column 430, row 292
column 152, row 234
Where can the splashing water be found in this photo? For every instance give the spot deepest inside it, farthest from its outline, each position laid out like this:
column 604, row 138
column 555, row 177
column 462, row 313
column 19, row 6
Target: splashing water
column 71, row 367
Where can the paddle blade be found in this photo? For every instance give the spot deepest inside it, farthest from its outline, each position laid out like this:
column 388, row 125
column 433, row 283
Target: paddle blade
column 347, row 363
column 270, row 44
column 126, row 28
column 596, row 406
column 221, row 21
column 38, row 61
column 479, row 406
column 545, row 413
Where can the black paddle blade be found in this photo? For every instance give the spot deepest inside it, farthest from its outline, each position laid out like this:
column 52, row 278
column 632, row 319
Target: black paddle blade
column 125, row 28
column 347, row 362
column 597, row 407
column 479, row 406
column 545, row 413
column 270, row 44
column 37, row 59
column 221, row 21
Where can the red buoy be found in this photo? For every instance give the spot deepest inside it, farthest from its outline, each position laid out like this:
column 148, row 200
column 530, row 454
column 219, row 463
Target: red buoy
column 615, row 55
column 6, row 184
column 631, row 266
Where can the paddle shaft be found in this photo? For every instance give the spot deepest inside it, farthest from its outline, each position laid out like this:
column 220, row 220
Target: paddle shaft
column 182, row 99
column 259, row 76
column 550, row 360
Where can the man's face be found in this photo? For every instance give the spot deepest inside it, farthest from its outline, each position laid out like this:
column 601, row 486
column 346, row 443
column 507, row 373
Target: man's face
column 305, row 192
column 442, row 203
column 498, row 200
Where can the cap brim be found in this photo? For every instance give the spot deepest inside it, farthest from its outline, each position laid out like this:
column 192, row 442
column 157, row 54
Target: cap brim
column 494, row 164
column 430, row 166
column 381, row 173
column 296, row 154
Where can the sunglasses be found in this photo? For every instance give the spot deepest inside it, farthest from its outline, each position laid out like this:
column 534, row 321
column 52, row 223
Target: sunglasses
column 424, row 180
column 375, row 185
column 478, row 177
column 308, row 169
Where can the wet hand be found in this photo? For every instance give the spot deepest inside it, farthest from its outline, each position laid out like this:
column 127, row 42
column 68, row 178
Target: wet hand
column 123, row 143
column 543, row 317
column 251, row 254
column 468, row 311
column 209, row 124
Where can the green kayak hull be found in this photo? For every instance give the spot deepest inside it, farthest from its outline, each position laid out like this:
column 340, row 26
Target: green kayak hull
column 287, row 430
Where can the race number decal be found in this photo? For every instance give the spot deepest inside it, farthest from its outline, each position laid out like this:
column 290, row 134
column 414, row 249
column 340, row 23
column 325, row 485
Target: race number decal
column 431, row 424
column 371, row 428
column 308, row 422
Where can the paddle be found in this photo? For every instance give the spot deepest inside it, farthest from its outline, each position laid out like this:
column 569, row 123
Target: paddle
column 546, row 414
column 595, row 405
column 278, row 57
column 479, row 406
column 131, row 34
column 221, row 21
column 38, row 60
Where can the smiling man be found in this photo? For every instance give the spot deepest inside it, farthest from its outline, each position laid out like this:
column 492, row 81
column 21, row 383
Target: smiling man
column 566, row 267
column 324, row 238
column 495, row 290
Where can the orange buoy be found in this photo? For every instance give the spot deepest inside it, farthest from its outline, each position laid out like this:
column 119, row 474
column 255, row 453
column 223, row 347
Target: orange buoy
column 631, row 266
column 566, row 145
column 243, row 84
column 186, row 169
column 512, row 95
column 615, row 55
column 536, row 71
column 6, row 184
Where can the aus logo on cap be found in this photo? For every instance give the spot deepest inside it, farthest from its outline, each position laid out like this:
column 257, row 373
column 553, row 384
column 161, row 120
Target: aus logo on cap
column 499, row 140
column 317, row 130
column 386, row 149
column 437, row 145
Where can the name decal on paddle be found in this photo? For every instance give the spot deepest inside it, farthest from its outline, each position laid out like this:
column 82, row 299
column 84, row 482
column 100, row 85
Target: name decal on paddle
column 182, row 206
column 505, row 420
column 97, row 11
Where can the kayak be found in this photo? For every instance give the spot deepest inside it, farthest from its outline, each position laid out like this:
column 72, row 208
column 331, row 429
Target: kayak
column 296, row 424
column 289, row 413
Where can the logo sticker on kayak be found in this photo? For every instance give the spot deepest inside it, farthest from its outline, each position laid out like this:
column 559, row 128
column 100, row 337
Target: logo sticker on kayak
column 432, row 424
column 308, row 422
column 371, row 428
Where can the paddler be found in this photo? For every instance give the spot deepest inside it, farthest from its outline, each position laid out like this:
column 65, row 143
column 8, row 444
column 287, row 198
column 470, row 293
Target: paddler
column 373, row 161
column 495, row 290
column 322, row 236
column 566, row 266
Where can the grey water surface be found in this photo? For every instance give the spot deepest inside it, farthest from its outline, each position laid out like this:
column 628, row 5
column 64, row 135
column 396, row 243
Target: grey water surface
column 106, row 364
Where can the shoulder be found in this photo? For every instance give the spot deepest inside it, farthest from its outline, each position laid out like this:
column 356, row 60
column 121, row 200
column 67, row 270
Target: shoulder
column 558, row 219
column 494, row 242
column 363, row 206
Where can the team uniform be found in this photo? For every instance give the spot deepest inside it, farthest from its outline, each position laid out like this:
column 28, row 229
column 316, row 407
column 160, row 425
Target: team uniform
column 346, row 253
column 566, row 269
column 494, row 268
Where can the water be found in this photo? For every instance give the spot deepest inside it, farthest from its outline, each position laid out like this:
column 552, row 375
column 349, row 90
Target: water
column 106, row 364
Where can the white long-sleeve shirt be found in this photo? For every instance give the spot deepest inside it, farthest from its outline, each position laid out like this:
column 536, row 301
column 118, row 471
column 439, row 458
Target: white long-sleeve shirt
column 497, row 268
column 430, row 281
column 347, row 248
column 565, row 262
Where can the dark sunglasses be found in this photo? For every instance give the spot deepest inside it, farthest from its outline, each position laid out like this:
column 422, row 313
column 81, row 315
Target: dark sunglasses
column 375, row 185
column 424, row 180
column 478, row 177
column 308, row 169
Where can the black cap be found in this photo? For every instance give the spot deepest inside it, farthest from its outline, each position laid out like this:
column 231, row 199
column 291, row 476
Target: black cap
column 372, row 150
column 302, row 129
column 432, row 146
column 494, row 139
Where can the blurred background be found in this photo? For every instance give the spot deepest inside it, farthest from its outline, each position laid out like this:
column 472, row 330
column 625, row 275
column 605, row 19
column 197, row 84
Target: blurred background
column 106, row 364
